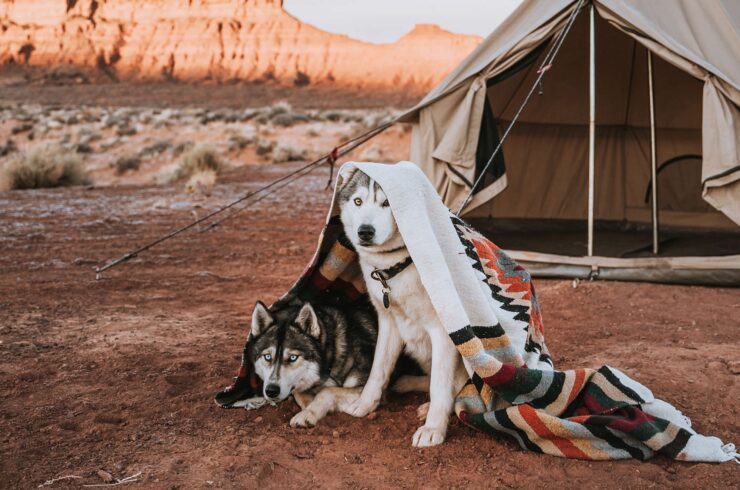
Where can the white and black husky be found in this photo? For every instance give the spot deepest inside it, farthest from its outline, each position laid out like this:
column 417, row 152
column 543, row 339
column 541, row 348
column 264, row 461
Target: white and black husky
column 406, row 316
column 319, row 354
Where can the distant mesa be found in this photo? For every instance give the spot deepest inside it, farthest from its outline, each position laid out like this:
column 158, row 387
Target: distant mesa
column 201, row 40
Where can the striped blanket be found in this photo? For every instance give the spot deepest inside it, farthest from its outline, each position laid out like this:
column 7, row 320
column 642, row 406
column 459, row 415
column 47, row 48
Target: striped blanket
column 488, row 305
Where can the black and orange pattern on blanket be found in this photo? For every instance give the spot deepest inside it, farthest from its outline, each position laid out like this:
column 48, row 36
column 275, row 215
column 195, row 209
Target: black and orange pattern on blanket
column 582, row 413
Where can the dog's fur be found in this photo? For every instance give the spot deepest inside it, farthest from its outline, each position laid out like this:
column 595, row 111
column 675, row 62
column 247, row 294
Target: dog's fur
column 320, row 354
column 411, row 320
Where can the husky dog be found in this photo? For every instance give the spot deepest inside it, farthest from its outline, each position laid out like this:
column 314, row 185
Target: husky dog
column 406, row 316
column 320, row 354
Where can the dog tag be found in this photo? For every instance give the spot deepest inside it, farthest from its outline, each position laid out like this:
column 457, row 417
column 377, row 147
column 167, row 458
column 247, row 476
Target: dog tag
column 386, row 298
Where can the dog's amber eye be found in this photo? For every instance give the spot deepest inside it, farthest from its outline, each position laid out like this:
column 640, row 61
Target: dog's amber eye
column 268, row 357
column 385, row 203
column 358, row 201
column 293, row 358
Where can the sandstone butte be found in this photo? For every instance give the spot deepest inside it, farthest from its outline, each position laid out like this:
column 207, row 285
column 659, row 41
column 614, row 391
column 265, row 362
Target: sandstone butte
column 218, row 40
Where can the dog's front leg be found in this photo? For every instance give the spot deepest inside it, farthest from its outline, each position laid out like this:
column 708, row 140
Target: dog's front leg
column 387, row 351
column 445, row 360
column 303, row 399
column 326, row 401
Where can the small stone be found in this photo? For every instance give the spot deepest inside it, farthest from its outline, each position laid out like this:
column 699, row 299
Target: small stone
column 105, row 476
column 335, row 434
column 258, row 419
column 372, row 416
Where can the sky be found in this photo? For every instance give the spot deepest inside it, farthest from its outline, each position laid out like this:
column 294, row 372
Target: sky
column 384, row 21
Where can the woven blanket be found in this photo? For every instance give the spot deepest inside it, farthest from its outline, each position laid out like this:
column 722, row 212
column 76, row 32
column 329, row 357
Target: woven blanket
column 488, row 306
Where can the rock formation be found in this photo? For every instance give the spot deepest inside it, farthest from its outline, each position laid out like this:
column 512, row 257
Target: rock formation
column 219, row 40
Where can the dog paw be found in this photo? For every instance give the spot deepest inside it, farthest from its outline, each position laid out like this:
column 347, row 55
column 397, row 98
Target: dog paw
column 428, row 436
column 361, row 407
column 422, row 411
column 304, row 418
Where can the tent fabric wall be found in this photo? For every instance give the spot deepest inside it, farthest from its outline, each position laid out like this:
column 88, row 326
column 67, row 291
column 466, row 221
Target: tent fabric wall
column 702, row 41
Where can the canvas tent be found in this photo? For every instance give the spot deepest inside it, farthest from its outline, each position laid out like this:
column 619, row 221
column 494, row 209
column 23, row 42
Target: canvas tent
column 535, row 194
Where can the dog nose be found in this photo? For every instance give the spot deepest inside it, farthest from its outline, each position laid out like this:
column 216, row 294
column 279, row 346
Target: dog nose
column 272, row 391
column 366, row 232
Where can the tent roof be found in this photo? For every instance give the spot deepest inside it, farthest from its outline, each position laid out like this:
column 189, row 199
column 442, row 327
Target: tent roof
column 705, row 33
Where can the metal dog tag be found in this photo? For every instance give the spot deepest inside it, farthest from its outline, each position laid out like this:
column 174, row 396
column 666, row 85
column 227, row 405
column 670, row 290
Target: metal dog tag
column 386, row 298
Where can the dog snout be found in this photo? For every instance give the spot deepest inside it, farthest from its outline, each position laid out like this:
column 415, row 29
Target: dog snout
column 366, row 232
column 272, row 391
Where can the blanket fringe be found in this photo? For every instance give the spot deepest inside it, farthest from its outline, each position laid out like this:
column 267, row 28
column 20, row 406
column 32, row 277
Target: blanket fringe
column 730, row 450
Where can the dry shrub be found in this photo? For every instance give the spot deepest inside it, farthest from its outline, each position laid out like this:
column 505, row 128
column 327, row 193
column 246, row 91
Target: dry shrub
column 268, row 113
column 200, row 158
column 285, row 152
column 127, row 163
column 240, row 142
column 41, row 167
column 201, row 182
column 280, row 107
column 264, row 146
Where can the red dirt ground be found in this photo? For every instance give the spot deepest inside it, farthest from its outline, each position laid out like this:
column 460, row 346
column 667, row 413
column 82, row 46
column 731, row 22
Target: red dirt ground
column 236, row 95
column 119, row 374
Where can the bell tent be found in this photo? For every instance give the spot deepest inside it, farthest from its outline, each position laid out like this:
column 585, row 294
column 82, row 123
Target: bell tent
column 622, row 162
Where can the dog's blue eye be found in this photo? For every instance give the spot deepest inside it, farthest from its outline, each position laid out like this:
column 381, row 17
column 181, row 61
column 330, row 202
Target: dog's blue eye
column 358, row 201
column 268, row 357
column 293, row 358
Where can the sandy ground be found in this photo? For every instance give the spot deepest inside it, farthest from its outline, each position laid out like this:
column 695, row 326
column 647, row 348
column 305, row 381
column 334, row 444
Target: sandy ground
column 118, row 374
column 18, row 85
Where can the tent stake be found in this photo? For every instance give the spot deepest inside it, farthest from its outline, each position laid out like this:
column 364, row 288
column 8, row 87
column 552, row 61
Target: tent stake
column 591, row 127
column 653, row 153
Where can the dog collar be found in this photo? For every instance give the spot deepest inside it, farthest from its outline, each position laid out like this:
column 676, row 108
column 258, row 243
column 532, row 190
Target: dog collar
column 385, row 275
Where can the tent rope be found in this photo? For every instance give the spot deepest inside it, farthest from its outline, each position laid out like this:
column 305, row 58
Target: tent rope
column 541, row 71
column 267, row 190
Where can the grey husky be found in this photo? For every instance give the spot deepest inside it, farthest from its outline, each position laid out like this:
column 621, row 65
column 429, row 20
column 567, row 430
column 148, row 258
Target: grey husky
column 322, row 355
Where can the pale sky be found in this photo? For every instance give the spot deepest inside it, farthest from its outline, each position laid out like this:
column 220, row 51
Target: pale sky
column 384, row 21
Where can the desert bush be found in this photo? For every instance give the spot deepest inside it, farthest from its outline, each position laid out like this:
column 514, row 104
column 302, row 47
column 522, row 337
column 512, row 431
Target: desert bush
column 264, row 146
column 201, row 182
column 240, row 142
column 127, row 163
column 341, row 116
column 280, row 107
column 181, row 148
column 285, row 152
column 155, row 148
column 269, row 113
column 301, row 79
column 41, row 167
column 8, row 148
column 198, row 159
column 284, row 119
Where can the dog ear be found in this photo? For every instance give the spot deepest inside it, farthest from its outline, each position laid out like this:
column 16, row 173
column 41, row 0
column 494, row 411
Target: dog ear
column 261, row 318
column 308, row 321
column 345, row 177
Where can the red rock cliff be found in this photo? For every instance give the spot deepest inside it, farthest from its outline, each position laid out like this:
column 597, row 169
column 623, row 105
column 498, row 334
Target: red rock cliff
column 218, row 40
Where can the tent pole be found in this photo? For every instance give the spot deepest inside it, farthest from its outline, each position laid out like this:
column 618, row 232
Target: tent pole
column 653, row 153
column 591, row 127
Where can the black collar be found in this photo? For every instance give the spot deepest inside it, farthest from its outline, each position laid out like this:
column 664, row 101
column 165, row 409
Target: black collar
column 384, row 275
